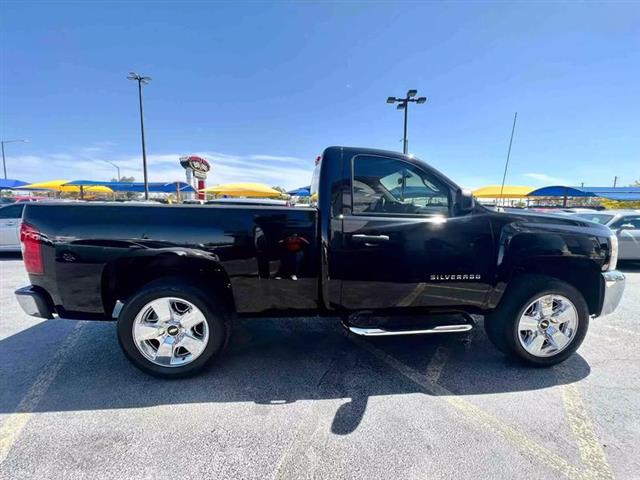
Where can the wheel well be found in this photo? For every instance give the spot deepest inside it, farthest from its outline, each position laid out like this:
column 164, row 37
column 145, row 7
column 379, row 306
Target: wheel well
column 123, row 277
column 581, row 273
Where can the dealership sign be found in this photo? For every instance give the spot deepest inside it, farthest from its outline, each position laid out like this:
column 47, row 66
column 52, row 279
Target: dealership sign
column 198, row 165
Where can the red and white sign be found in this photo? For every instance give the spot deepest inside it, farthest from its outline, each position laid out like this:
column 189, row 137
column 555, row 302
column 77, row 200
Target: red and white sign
column 198, row 165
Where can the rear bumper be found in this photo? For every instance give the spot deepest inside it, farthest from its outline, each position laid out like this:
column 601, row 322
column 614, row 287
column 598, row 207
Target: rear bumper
column 34, row 302
column 614, row 282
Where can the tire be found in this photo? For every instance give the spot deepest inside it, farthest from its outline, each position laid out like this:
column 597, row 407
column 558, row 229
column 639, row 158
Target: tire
column 172, row 328
column 541, row 321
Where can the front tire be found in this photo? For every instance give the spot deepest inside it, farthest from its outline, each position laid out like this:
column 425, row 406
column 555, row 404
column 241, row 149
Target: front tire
column 173, row 328
column 541, row 321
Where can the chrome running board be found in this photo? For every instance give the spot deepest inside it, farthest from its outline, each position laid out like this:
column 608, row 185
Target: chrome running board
column 380, row 332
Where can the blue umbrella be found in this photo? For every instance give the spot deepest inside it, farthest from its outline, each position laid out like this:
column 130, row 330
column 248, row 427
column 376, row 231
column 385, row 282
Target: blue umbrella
column 11, row 183
column 301, row 192
column 154, row 187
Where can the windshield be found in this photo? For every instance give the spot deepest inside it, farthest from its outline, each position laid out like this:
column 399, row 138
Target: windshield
column 600, row 218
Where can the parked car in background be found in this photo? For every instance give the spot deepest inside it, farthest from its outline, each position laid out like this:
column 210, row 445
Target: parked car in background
column 10, row 218
column 626, row 225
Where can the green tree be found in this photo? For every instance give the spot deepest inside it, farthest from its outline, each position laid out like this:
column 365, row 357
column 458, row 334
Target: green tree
column 282, row 190
column 127, row 195
column 124, row 179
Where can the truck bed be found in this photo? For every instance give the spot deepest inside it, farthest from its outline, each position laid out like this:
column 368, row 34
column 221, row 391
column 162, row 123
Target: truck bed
column 268, row 254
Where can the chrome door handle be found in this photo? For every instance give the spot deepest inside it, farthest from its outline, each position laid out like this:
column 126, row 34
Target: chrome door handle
column 362, row 238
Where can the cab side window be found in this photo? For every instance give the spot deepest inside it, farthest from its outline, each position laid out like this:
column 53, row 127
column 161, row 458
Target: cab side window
column 387, row 186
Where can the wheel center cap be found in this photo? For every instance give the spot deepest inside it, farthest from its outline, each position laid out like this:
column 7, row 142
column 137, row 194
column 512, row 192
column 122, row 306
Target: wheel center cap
column 173, row 330
column 544, row 324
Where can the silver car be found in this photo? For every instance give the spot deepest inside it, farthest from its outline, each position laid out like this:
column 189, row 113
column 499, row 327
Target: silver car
column 626, row 225
column 10, row 218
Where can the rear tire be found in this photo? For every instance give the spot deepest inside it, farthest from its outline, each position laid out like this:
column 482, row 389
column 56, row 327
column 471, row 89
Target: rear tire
column 540, row 321
column 172, row 328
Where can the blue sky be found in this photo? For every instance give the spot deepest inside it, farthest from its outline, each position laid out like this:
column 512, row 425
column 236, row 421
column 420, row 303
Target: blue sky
column 260, row 89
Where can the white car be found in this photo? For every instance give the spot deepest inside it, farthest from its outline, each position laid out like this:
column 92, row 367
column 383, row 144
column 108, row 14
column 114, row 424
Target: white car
column 10, row 218
column 625, row 224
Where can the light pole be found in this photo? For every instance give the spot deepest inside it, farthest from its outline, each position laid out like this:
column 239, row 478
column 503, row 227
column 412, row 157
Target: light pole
column 4, row 164
column 142, row 81
column 403, row 104
column 117, row 168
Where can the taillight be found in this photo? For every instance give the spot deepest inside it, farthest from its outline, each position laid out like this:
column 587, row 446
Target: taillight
column 31, row 249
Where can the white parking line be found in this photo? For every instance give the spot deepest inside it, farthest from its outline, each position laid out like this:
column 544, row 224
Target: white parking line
column 12, row 427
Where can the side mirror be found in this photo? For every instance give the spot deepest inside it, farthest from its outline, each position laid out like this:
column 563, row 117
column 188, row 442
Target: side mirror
column 464, row 201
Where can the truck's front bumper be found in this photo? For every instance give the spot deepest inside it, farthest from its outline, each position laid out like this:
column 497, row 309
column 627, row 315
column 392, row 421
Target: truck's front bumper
column 613, row 282
column 34, row 302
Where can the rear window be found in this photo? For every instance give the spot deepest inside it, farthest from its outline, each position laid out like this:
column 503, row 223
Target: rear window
column 596, row 217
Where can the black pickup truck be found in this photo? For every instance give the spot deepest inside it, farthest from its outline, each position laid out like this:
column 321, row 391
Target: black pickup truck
column 387, row 235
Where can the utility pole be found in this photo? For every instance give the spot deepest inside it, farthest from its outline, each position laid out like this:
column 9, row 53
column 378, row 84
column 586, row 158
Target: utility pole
column 142, row 81
column 403, row 104
column 4, row 164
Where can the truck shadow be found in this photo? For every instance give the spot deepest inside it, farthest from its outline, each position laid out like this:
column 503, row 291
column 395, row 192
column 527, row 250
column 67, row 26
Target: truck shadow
column 268, row 363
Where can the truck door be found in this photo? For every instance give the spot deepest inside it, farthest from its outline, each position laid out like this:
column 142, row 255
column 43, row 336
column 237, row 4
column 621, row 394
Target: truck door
column 403, row 247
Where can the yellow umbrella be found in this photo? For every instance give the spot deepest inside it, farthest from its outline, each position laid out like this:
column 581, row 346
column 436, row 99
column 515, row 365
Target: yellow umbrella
column 243, row 190
column 509, row 191
column 59, row 186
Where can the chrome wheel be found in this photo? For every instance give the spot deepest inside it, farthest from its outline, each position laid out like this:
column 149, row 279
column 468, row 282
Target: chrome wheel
column 170, row 332
column 548, row 325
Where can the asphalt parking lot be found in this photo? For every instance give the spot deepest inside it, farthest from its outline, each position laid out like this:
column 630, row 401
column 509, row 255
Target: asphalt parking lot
column 298, row 398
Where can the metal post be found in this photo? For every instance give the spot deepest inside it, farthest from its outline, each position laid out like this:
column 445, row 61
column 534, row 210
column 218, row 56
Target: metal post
column 144, row 150
column 405, row 149
column 116, row 167
column 4, row 165
column 506, row 164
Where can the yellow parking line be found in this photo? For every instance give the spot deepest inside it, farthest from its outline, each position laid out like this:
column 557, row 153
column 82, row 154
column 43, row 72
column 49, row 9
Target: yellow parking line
column 591, row 451
column 437, row 363
column 12, row 427
column 477, row 415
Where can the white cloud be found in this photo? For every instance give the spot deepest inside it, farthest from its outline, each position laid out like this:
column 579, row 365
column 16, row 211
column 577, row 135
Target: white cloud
column 546, row 179
column 91, row 164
